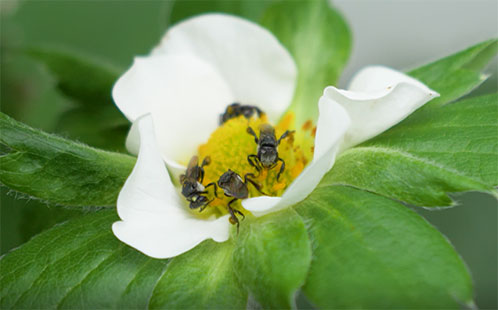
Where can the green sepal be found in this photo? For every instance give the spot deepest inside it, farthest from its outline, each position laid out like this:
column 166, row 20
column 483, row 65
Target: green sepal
column 201, row 278
column 58, row 170
column 249, row 9
column 319, row 40
column 456, row 75
column 271, row 258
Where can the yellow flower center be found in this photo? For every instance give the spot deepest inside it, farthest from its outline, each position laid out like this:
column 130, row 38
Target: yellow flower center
column 229, row 147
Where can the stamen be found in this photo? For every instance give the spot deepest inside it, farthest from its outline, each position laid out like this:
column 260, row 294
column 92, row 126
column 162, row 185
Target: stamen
column 230, row 145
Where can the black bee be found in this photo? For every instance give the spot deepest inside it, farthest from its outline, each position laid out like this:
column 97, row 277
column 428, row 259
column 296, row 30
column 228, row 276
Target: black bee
column 267, row 156
column 236, row 109
column 192, row 187
column 233, row 186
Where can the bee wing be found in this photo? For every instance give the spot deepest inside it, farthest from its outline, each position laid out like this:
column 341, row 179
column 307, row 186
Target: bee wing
column 192, row 168
column 194, row 162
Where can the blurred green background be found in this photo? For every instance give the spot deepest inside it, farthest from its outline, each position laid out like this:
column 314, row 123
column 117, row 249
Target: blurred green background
column 115, row 31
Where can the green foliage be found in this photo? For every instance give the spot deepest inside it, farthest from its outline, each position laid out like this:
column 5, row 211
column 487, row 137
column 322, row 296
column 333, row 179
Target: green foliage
column 319, row 40
column 458, row 74
column 21, row 219
column 252, row 10
column 372, row 253
column 79, row 264
column 108, row 131
column 77, row 76
column 57, row 170
column 202, row 278
column 88, row 83
column 451, row 148
column 272, row 257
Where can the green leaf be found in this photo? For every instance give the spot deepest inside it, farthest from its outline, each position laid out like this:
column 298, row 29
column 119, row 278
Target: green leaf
column 452, row 148
column 250, row 9
column 57, row 170
column 458, row 74
column 88, row 83
column 371, row 252
column 462, row 136
column 100, row 127
column 22, row 219
column 79, row 77
column 319, row 40
column 272, row 257
column 79, row 264
column 202, row 278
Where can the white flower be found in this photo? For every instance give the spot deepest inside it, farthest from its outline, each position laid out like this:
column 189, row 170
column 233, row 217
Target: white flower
column 175, row 95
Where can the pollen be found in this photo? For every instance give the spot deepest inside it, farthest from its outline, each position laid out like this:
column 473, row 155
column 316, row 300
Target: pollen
column 230, row 145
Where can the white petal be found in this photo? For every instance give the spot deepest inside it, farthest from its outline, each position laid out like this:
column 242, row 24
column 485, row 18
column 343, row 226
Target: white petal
column 183, row 94
column 258, row 68
column 378, row 99
column 133, row 146
column 333, row 122
column 155, row 221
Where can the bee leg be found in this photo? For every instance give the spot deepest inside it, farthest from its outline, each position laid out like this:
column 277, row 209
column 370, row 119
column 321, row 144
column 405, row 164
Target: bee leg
column 230, row 202
column 215, row 188
column 252, row 133
column 258, row 110
column 233, row 219
column 282, row 168
column 248, row 175
column 206, row 161
column 204, row 206
column 285, row 135
column 238, row 212
column 253, row 160
column 201, row 175
column 193, row 205
column 256, row 185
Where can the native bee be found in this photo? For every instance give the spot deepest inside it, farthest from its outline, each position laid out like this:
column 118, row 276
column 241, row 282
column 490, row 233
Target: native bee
column 236, row 109
column 192, row 187
column 233, row 186
column 267, row 154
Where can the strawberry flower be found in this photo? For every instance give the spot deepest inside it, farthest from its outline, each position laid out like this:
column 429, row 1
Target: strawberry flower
column 174, row 97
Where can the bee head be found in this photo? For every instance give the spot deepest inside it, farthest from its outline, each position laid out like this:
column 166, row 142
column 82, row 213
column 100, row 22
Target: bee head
column 189, row 189
column 198, row 201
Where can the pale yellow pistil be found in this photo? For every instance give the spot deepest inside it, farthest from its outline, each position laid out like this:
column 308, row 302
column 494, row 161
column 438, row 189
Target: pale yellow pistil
column 229, row 146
